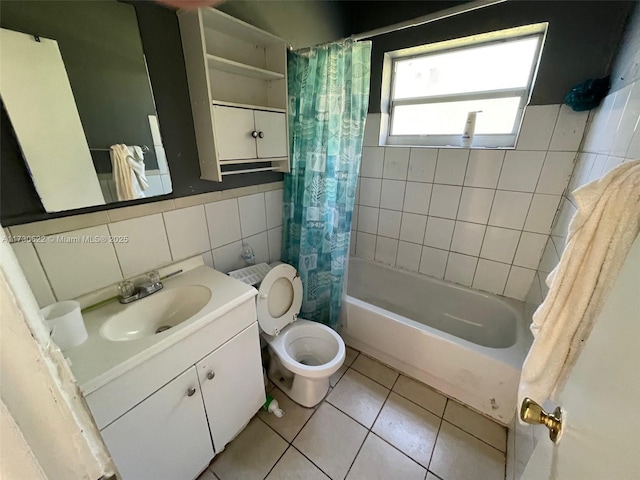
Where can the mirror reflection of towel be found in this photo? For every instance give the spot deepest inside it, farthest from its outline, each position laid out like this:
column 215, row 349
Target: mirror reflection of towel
column 128, row 171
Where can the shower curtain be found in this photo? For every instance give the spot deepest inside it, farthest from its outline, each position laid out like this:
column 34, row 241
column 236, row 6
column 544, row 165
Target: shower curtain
column 328, row 99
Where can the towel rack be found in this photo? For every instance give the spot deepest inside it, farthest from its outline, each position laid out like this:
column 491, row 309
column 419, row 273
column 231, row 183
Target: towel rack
column 144, row 148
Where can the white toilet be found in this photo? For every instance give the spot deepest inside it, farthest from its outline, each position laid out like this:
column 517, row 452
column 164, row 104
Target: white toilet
column 303, row 354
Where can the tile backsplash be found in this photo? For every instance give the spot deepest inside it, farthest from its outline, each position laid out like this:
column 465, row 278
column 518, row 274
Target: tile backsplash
column 67, row 264
column 478, row 217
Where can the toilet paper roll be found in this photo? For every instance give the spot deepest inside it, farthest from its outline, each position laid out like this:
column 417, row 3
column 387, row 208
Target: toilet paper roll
column 65, row 323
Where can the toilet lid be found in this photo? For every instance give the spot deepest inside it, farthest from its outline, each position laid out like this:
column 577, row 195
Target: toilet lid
column 279, row 299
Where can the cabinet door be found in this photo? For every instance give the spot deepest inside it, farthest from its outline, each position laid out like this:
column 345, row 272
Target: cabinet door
column 274, row 142
column 232, row 385
column 233, row 128
column 165, row 436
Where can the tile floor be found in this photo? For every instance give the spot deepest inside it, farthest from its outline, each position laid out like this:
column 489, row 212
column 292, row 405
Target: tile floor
column 374, row 424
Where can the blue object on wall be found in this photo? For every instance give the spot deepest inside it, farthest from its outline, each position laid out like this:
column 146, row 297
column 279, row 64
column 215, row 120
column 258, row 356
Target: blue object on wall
column 587, row 95
column 328, row 98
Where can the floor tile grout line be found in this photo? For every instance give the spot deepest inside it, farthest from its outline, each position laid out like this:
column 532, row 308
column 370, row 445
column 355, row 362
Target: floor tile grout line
column 290, row 443
column 397, row 449
column 447, row 398
column 277, row 461
column 474, row 436
column 435, row 441
column 369, row 430
column 311, row 461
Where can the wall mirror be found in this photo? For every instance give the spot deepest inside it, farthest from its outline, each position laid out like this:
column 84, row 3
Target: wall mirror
column 75, row 83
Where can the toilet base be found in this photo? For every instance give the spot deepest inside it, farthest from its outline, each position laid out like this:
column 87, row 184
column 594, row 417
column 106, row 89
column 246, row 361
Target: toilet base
column 307, row 392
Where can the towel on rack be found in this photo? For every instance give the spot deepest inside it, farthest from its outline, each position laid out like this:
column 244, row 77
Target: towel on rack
column 600, row 235
column 128, row 171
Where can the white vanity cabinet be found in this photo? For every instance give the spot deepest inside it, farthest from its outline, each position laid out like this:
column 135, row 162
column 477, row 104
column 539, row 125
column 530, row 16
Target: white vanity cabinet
column 249, row 134
column 237, row 78
column 165, row 436
column 158, row 419
column 232, row 388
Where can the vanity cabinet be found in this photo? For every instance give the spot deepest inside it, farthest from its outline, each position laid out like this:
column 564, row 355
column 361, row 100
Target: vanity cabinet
column 237, row 77
column 232, row 388
column 168, row 416
column 165, row 436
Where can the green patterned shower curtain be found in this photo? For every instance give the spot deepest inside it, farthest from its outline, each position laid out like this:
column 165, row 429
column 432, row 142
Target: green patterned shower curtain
column 328, row 101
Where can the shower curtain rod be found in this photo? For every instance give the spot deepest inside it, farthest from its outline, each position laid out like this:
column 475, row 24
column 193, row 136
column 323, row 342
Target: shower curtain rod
column 432, row 17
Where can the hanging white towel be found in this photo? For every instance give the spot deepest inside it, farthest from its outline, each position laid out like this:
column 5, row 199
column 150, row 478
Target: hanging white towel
column 600, row 235
column 128, row 171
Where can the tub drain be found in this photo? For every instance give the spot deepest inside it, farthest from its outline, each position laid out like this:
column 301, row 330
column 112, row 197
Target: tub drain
column 162, row 328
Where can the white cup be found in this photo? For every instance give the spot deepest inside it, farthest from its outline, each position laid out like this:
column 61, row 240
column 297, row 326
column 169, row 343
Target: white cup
column 65, row 323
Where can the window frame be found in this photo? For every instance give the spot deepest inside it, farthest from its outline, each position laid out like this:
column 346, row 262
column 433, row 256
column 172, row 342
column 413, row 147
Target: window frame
column 508, row 140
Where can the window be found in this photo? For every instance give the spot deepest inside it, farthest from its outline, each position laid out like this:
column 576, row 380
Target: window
column 428, row 91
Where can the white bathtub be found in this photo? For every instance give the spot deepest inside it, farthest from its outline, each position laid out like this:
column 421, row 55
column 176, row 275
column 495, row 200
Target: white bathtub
column 470, row 345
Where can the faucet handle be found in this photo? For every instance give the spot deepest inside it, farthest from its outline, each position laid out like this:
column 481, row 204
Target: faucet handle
column 126, row 289
column 153, row 277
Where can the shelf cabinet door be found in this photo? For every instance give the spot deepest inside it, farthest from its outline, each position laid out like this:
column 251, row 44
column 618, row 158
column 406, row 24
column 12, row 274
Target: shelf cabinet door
column 273, row 126
column 233, row 128
column 232, row 385
column 165, row 436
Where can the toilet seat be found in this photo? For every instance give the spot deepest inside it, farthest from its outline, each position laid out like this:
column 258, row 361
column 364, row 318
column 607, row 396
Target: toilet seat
column 279, row 299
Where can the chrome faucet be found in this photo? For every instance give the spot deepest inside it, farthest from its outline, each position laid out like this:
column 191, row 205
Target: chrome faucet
column 129, row 292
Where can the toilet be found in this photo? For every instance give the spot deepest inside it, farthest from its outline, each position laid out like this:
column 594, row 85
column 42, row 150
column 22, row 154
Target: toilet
column 303, row 354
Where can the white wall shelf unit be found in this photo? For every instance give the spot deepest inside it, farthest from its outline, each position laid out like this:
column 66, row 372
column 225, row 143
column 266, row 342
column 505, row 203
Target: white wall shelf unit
column 237, row 77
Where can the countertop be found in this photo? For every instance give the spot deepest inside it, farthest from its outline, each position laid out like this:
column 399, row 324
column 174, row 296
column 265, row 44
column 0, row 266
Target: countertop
column 98, row 361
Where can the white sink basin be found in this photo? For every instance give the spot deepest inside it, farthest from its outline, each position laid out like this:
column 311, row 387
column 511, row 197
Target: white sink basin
column 156, row 313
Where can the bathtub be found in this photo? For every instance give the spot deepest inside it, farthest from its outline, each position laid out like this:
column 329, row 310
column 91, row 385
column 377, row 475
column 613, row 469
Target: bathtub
column 468, row 344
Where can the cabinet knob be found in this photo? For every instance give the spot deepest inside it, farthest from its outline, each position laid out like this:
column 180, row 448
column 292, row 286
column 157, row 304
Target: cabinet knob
column 191, row 392
column 260, row 135
column 211, row 374
column 254, row 134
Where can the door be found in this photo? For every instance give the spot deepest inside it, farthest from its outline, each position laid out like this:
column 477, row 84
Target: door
column 233, row 133
column 601, row 429
column 165, row 436
column 232, row 385
column 272, row 134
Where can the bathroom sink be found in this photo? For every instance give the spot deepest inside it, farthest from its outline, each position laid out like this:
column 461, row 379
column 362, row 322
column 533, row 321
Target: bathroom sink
column 155, row 314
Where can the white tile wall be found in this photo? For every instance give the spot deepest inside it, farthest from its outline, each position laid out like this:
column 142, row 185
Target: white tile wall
column 413, row 227
column 32, row 268
column 223, row 219
column 253, row 216
column 146, row 247
column 422, row 164
column 396, row 163
column 537, row 127
column 79, row 267
column 444, row 201
column 392, row 195
column 439, row 233
column 273, row 202
column 484, row 167
column 459, row 214
column 417, row 197
column 187, row 231
column 69, row 265
column 389, row 223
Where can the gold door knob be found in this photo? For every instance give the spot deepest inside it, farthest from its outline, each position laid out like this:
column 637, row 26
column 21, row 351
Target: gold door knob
column 531, row 412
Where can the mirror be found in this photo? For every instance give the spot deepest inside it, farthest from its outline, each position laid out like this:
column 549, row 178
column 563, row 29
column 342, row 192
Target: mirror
column 74, row 83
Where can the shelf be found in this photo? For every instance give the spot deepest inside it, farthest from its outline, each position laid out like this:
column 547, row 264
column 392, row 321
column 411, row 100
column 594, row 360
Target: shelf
column 249, row 170
column 248, row 106
column 252, row 160
column 238, row 68
column 222, row 22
